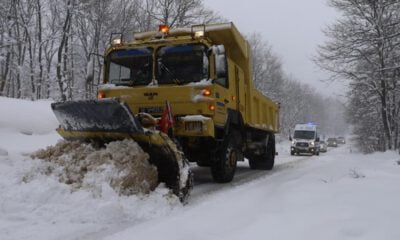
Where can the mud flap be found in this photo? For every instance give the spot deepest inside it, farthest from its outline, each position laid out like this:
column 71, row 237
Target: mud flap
column 96, row 116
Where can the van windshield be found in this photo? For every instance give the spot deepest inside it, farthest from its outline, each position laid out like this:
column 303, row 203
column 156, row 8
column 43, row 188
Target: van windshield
column 304, row 134
column 131, row 66
column 182, row 64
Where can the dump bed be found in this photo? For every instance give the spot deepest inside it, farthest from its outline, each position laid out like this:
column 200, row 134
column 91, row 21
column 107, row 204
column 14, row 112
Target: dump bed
column 258, row 111
column 262, row 112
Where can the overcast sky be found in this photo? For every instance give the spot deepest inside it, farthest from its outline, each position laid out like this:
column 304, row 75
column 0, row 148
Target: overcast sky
column 292, row 27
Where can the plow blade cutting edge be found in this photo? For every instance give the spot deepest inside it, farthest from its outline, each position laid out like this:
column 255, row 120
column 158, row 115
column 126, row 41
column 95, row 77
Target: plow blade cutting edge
column 109, row 120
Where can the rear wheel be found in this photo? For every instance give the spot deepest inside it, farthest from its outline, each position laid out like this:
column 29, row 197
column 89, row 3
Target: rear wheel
column 265, row 161
column 223, row 166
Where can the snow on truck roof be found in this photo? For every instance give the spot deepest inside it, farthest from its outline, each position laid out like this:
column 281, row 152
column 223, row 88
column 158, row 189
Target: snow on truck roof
column 221, row 33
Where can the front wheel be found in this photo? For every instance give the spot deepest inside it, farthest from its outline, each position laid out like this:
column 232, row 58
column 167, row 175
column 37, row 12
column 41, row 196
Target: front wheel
column 223, row 166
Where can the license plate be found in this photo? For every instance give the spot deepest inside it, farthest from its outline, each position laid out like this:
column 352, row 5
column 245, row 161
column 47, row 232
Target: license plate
column 151, row 110
column 196, row 126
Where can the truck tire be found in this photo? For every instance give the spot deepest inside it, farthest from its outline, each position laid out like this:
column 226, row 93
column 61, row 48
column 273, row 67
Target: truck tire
column 223, row 166
column 267, row 160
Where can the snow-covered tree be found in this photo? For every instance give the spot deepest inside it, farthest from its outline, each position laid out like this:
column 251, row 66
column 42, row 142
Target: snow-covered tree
column 299, row 102
column 364, row 48
column 45, row 44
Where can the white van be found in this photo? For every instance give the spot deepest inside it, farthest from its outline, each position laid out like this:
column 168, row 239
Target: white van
column 305, row 139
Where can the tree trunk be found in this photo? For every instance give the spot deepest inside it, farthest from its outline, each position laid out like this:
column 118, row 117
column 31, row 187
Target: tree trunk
column 39, row 36
column 60, row 75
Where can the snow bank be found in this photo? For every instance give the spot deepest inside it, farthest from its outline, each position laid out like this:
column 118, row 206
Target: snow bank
column 26, row 126
column 26, row 116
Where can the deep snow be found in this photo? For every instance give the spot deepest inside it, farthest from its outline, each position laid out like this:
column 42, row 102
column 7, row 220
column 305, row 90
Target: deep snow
column 341, row 194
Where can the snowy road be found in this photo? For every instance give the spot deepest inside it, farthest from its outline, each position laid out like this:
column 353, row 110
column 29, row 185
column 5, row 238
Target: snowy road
column 328, row 197
column 341, row 194
column 205, row 186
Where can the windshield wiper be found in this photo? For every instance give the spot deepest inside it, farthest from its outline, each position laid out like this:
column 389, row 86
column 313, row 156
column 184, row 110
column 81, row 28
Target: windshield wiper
column 174, row 77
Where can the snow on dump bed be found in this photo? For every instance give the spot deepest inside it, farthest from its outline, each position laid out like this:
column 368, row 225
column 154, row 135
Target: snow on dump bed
column 122, row 164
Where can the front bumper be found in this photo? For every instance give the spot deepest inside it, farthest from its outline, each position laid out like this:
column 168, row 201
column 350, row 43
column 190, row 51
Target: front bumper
column 198, row 126
column 295, row 149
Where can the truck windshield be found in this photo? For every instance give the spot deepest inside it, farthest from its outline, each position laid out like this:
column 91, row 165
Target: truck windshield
column 304, row 134
column 131, row 67
column 182, row 64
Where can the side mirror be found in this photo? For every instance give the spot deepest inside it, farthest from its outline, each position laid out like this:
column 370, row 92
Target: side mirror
column 290, row 138
column 220, row 61
column 90, row 69
column 317, row 139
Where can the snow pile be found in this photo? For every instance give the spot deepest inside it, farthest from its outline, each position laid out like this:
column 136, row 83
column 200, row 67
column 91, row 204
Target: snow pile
column 122, row 164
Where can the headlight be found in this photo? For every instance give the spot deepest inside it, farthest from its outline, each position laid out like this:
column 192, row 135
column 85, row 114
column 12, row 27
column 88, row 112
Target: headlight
column 312, row 144
column 116, row 41
column 293, row 142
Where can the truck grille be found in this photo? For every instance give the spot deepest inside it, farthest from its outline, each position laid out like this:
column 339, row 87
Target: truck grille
column 301, row 144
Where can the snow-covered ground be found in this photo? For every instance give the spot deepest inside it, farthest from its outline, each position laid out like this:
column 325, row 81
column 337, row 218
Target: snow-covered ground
column 341, row 194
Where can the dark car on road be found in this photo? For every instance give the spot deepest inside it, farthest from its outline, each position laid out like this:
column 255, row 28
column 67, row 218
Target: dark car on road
column 332, row 142
column 341, row 140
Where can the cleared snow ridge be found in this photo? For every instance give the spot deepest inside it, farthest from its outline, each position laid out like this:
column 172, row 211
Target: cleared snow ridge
column 122, row 164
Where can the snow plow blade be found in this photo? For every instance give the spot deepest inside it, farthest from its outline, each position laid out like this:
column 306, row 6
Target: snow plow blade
column 94, row 115
column 103, row 121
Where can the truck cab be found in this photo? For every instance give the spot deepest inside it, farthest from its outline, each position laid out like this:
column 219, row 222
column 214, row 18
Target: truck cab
column 305, row 139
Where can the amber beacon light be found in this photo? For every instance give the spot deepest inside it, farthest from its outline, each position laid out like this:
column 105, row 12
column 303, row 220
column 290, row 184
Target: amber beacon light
column 206, row 92
column 101, row 95
column 163, row 28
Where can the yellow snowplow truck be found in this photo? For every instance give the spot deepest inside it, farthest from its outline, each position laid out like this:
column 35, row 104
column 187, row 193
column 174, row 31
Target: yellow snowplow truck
column 195, row 84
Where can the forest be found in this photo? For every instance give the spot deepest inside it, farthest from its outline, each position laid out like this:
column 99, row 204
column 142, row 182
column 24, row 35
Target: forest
column 45, row 47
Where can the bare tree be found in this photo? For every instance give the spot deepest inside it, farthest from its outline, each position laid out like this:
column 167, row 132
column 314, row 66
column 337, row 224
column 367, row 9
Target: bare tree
column 180, row 13
column 299, row 102
column 267, row 68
